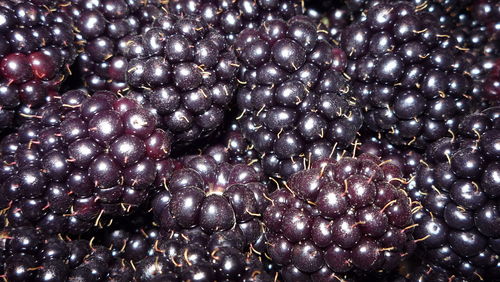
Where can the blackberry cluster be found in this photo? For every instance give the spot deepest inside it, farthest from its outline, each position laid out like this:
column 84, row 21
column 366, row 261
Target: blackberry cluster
column 340, row 216
column 232, row 16
column 407, row 73
column 104, row 28
column 459, row 221
column 188, row 71
column 215, row 196
column 293, row 100
column 80, row 159
column 36, row 50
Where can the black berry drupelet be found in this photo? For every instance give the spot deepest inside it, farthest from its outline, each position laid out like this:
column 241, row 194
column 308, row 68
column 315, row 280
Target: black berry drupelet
column 213, row 195
column 338, row 217
column 458, row 225
column 80, row 160
column 293, row 96
column 408, row 73
column 36, row 50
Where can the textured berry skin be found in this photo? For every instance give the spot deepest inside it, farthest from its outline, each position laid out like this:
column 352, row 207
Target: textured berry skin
column 458, row 223
column 407, row 73
column 347, row 215
column 210, row 194
column 36, row 49
column 79, row 161
column 294, row 97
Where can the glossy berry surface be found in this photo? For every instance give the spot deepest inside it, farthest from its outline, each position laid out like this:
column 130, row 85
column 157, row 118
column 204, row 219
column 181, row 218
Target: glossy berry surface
column 81, row 160
column 36, row 50
column 459, row 195
column 294, row 101
column 346, row 215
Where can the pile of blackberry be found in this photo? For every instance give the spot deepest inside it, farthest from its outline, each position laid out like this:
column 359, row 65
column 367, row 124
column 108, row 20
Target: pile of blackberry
column 81, row 161
column 345, row 216
column 36, row 49
column 407, row 73
column 294, row 98
column 249, row 140
column 459, row 221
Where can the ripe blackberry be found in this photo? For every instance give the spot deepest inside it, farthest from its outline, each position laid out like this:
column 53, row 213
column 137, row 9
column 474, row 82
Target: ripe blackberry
column 103, row 29
column 407, row 73
column 212, row 195
column 233, row 16
column 36, row 50
column 476, row 29
column 180, row 67
column 292, row 97
column 339, row 217
column 458, row 225
column 79, row 160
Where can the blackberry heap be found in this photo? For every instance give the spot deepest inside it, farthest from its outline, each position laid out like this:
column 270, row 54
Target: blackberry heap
column 407, row 73
column 215, row 196
column 338, row 217
column 36, row 50
column 79, row 160
column 459, row 222
column 292, row 98
column 232, row 16
column 104, row 28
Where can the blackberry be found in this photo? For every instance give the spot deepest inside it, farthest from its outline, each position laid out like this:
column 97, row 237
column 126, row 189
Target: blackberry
column 36, row 50
column 340, row 217
column 79, row 160
column 103, row 29
column 458, row 223
column 181, row 68
column 231, row 17
column 292, row 95
column 214, row 196
column 407, row 73
column 476, row 29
